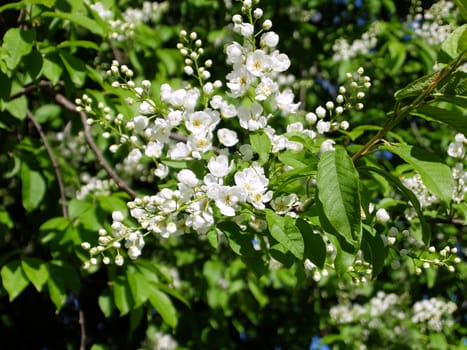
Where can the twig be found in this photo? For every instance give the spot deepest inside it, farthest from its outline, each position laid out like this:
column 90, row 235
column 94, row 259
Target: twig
column 82, row 345
column 55, row 165
column 62, row 100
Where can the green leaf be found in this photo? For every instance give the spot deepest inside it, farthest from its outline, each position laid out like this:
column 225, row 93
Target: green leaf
column 51, row 68
column 438, row 341
column 56, row 286
column 338, row 191
column 260, row 297
column 436, row 176
column 75, row 67
column 426, row 233
column 18, row 107
column 14, row 279
column 36, row 271
column 33, row 64
column 163, row 305
column 454, row 45
column 16, row 5
column 416, row 87
column 261, row 144
column 122, row 295
column 462, row 6
column 284, row 231
column 46, row 3
column 455, row 118
column 33, row 188
column 373, row 251
column 16, row 44
column 106, row 302
column 78, row 43
column 240, row 242
column 47, row 112
column 315, row 248
column 140, row 287
column 78, row 19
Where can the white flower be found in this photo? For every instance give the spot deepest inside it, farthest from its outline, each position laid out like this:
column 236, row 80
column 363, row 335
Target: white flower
column 323, row 126
column 201, row 122
column 179, row 151
column 269, row 39
column 219, row 166
column 140, row 123
column 280, row 62
column 227, row 197
column 154, row 149
column 382, row 215
column 146, row 108
column 284, row 204
column 265, row 88
column 234, row 53
column 327, row 145
column 161, row 171
column 257, row 62
column 252, row 118
column 284, row 101
column 117, row 216
column 227, row 137
column 320, row 112
column 245, row 29
column 239, row 81
column 187, row 177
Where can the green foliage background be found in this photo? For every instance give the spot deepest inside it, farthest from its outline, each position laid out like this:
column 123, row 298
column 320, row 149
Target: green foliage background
column 222, row 296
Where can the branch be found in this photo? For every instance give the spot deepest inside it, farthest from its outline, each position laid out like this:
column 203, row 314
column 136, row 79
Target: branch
column 55, row 165
column 82, row 345
column 62, row 100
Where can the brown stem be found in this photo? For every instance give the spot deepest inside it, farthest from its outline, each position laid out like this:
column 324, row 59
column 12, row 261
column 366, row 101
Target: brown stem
column 62, row 100
column 55, row 165
column 82, row 345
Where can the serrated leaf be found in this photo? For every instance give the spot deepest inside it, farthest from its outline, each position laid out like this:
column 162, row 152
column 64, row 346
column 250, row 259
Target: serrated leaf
column 36, row 271
column 163, row 305
column 32, row 188
column 455, row 118
column 284, row 231
column 338, row 191
column 435, row 175
column 416, row 87
column 261, row 144
column 78, row 19
column 14, row 279
column 16, row 44
column 315, row 248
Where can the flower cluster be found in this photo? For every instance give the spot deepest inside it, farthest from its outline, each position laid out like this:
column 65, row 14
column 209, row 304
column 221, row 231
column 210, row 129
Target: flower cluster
column 432, row 25
column 343, row 50
column 123, row 28
column 386, row 314
column 189, row 138
column 433, row 314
